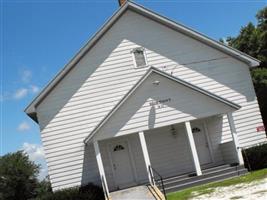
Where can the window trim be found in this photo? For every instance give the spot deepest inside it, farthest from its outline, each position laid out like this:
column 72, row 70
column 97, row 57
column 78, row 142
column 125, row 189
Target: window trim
column 134, row 61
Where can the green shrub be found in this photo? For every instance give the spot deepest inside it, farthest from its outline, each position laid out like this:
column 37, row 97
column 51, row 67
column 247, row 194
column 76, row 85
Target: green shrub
column 87, row 192
column 255, row 157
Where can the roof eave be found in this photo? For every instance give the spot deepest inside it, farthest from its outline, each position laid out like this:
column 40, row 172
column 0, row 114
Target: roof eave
column 33, row 116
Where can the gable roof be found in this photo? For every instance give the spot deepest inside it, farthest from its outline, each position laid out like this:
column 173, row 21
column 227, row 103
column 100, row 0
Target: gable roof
column 30, row 110
column 169, row 76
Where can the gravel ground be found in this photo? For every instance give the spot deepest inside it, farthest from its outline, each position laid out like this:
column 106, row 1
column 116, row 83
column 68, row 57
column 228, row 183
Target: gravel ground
column 256, row 190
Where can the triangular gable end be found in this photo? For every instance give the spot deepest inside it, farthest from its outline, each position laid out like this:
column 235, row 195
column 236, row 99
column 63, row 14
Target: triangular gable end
column 30, row 110
column 160, row 99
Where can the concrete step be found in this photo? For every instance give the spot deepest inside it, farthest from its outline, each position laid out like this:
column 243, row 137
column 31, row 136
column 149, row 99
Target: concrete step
column 187, row 175
column 216, row 168
column 210, row 175
column 204, row 181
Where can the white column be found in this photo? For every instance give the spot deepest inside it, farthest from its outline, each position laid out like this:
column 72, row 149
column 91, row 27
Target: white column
column 235, row 138
column 101, row 170
column 193, row 148
column 146, row 157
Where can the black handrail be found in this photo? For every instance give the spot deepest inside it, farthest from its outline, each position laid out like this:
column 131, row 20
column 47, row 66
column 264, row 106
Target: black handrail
column 104, row 187
column 159, row 180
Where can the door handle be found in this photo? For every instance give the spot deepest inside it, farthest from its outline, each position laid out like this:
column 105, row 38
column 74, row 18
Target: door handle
column 114, row 167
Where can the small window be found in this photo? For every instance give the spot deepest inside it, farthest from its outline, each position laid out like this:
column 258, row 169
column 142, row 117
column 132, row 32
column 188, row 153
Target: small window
column 139, row 57
column 196, row 130
column 118, row 148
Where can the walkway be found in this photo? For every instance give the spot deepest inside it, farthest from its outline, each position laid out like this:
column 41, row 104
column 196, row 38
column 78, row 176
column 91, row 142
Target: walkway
column 134, row 193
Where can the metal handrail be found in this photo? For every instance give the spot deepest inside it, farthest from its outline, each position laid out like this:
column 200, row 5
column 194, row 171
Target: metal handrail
column 104, row 187
column 151, row 169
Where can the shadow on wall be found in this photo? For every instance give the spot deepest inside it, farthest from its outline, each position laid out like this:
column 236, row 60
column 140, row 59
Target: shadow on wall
column 90, row 173
column 220, row 133
column 66, row 90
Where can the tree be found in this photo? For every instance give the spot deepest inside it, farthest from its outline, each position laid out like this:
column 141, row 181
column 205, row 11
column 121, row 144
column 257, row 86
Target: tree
column 18, row 177
column 252, row 40
column 44, row 188
column 262, row 26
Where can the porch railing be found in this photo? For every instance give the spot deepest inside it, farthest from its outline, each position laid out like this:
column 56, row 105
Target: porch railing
column 157, row 181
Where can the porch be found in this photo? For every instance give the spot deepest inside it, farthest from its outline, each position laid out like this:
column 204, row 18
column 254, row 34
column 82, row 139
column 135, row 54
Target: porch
column 166, row 124
column 183, row 154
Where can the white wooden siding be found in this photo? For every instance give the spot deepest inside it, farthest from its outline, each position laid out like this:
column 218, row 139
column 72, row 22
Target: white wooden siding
column 229, row 152
column 136, row 114
column 105, row 74
column 170, row 155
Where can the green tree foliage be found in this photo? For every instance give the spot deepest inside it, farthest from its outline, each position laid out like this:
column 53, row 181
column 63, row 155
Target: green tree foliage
column 248, row 41
column 18, row 181
column 86, row 192
column 18, row 177
column 252, row 40
column 255, row 157
column 43, row 188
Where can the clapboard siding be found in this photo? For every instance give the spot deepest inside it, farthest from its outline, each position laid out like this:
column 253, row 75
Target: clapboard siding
column 169, row 155
column 183, row 104
column 106, row 73
column 214, row 130
column 228, row 152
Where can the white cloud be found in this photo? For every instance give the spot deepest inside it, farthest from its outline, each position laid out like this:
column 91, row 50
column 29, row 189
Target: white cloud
column 21, row 93
column 34, row 89
column 26, row 76
column 24, row 126
column 27, row 88
column 36, row 154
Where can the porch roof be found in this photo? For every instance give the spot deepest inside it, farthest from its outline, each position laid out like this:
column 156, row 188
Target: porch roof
column 170, row 77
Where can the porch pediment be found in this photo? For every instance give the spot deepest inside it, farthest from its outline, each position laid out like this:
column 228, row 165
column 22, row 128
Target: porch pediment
column 159, row 99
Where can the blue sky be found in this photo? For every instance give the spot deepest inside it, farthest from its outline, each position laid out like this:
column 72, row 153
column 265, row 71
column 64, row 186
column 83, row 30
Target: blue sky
column 39, row 37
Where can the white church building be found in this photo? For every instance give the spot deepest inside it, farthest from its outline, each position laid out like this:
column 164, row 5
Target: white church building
column 148, row 97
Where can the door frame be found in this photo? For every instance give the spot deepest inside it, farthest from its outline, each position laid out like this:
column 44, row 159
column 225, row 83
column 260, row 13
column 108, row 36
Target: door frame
column 205, row 126
column 132, row 163
column 203, row 123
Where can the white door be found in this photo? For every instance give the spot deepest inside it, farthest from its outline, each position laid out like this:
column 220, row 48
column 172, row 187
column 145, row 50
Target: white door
column 122, row 166
column 201, row 143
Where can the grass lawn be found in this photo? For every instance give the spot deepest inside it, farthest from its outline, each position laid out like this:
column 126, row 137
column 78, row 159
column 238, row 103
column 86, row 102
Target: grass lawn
column 208, row 188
